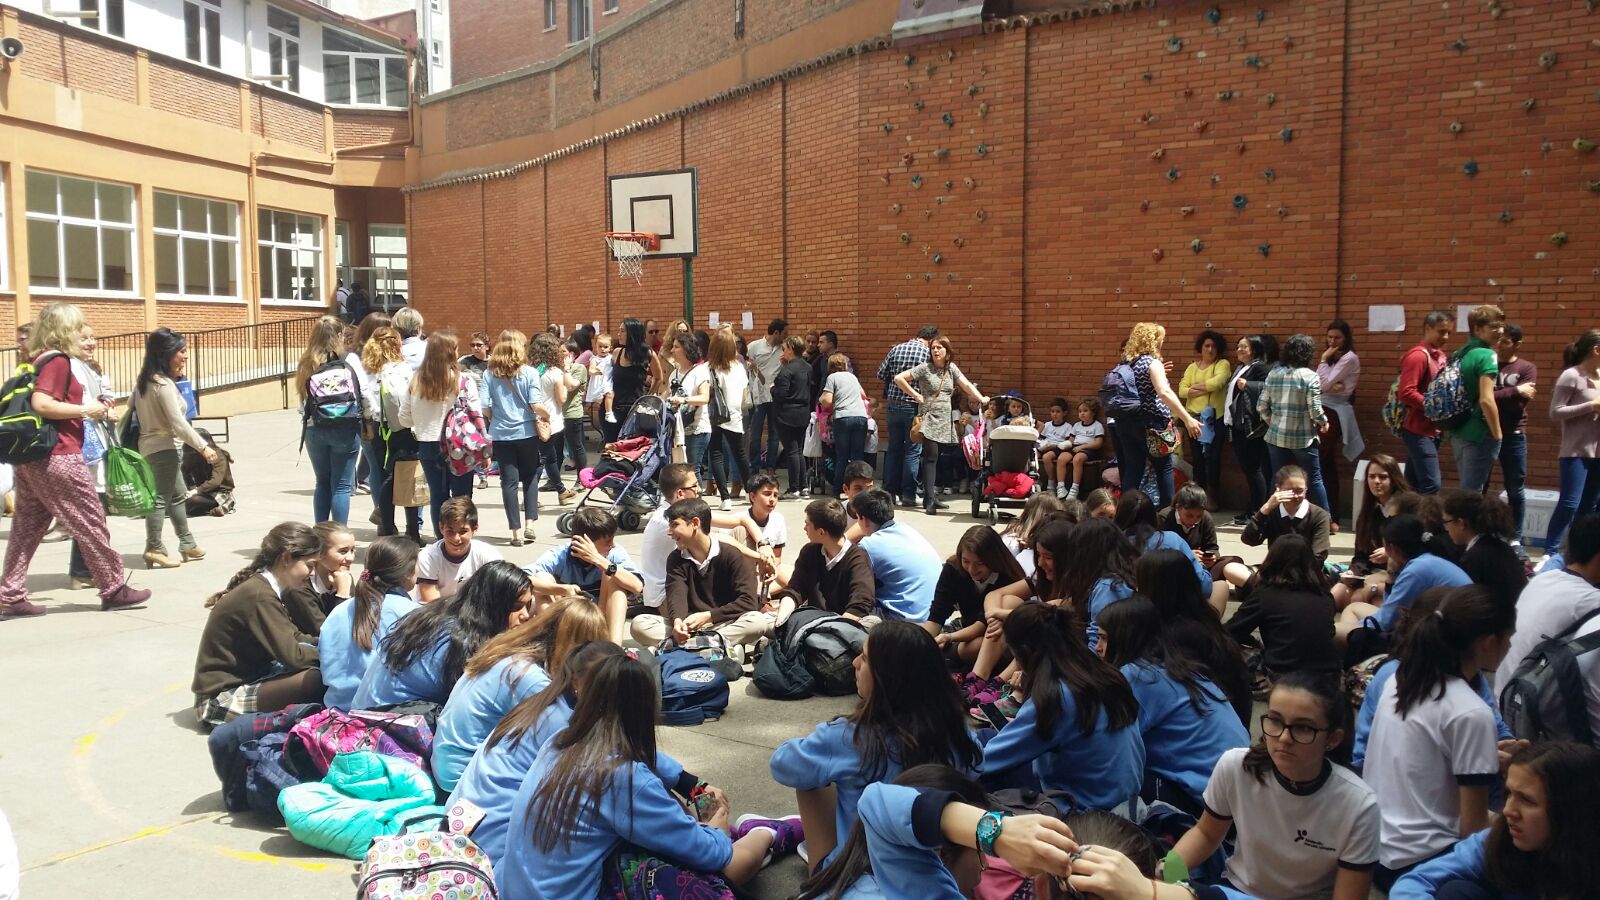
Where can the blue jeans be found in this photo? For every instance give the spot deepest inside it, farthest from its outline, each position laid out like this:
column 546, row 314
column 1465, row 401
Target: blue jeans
column 762, row 457
column 1580, row 486
column 334, row 450
column 1475, row 461
column 1133, row 458
column 695, row 455
column 904, row 456
column 1422, row 461
column 849, row 445
column 1309, row 459
column 442, row 483
column 1514, row 469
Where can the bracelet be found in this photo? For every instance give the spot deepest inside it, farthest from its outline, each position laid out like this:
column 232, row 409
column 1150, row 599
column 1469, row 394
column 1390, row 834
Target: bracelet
column 989, row 825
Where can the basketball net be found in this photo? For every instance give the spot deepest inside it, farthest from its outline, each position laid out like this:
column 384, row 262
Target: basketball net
column 629, row 253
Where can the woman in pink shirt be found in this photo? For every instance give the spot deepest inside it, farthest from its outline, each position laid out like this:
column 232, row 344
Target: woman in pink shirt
column 1340, row 369
column 1575, row 404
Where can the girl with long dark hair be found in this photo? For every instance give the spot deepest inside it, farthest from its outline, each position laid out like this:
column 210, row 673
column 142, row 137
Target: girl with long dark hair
column 635, row 368
column 1079, row 728
column 163, row 431
column 355, row 629
column 910, row 713
column 1257, row 354
column 1285, row 784
column 1292, row 611
column 592, row 791
column 332, row 444
column 1415, row 568
column 1385, row 481
column 1575, row 403
column 1052, row 543
column 980, row 564
column 1136, row 516
column 1189, row 622
column 423, row 657
column 330, row 582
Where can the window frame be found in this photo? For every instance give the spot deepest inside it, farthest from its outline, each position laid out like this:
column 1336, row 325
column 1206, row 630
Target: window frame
column 208, row 41
column 5, row 232
column 284, row 38
column 436, row 53
column 377, row 230
column 584, row 21
column 610, row 7
column 102, row 17
column 550, row 13
column 270, row 241
column 349, row 58
column 100, row 226
column 181, row 234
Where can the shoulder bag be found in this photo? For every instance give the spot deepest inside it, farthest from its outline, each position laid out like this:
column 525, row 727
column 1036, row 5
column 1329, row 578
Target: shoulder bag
column 541, row 427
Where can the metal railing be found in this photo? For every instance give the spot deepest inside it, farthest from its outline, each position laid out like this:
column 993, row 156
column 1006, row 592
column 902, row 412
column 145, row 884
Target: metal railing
column 218, row 357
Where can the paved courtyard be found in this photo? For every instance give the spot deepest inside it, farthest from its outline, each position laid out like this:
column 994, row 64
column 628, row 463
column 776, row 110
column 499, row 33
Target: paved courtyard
column 105, row 777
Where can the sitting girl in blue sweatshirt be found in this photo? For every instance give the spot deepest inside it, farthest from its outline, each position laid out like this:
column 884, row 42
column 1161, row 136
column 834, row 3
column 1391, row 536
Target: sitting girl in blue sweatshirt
column 509, row 669
column 1184, row 719
column 355, row 628
column 1136, row 516
column 909, row 714
column 592, row 791
column 1546, row 842
column 1079, row 729
column 424, row 656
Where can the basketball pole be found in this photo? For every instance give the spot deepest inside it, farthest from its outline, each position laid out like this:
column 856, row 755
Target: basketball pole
column 688, row 290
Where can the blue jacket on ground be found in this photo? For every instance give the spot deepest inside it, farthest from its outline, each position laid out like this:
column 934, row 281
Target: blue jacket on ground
column 422, row 680
column 1369, row 710
column 491, row 779
column 1102, row 769
column 906, row 571
column 1171, row 540
column 636, row 809
column 1464, row 863
column 344, row 663
column 1181, row 745
column 476, row 706
column 1426, row 571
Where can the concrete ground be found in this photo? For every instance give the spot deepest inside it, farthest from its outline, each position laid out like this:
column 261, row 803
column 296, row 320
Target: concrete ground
column 105, row 776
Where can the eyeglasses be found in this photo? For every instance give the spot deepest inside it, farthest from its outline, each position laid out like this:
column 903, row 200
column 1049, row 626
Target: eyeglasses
column 1299, row 733
column 1449, row 521
column 693, row 487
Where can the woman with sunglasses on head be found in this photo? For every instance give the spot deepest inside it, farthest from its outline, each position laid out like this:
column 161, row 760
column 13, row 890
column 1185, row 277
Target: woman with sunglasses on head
column 1305, row 826
column 634, row 369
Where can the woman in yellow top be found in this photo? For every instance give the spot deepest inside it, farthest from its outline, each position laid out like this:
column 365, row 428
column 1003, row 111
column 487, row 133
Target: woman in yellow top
column 1205, row 387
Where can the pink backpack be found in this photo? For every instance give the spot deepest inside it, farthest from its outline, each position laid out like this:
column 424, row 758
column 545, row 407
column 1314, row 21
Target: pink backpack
column 314, row 741
column 465, row 439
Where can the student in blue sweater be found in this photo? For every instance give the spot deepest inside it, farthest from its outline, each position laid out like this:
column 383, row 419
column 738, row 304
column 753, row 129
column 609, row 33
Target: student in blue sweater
column 1545, row 844
column 1407, row 545
column 592, row 791
column 909, row 714
column 1190, row 624
column 1079, row 728
column 1136, row 516
column 509, row 669
column 1184, row 719
column 423, row 657
column 355, row 628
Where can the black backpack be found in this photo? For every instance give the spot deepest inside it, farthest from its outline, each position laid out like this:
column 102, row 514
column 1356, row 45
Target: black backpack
column 1545, row 698
column 1119, row 392
column 25, row 436
column 781, row 673
column 718, row 406
column 827, row 644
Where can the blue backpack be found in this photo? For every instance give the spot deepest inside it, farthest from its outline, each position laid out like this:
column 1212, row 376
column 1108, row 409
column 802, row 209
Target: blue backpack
column 691, row 690
column 1445, row 399
column 1119, row 392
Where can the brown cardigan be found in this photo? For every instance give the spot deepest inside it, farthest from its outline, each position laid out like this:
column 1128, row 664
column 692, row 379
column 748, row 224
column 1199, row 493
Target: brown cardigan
column 846, row 588
column 249, row 629
column 726, row 589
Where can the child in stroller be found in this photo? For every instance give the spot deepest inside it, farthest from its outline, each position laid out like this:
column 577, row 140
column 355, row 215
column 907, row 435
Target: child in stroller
column 625, row 476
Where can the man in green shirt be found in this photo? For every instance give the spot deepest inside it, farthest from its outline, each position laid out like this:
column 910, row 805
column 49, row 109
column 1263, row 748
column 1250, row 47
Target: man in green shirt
column 1477, row 441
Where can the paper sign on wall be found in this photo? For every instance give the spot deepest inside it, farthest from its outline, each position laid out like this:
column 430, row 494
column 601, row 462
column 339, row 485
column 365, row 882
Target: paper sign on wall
column 749, row 320
column 596, row 324
column 1461, row 316
column 713, row 320
column 1386, row 318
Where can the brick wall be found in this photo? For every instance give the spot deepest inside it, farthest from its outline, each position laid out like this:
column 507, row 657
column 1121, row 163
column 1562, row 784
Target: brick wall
column 282, row 120
column 78, row 62
column 497, row 36
column 1047, row 255
column 177, row 90
column 354, row 129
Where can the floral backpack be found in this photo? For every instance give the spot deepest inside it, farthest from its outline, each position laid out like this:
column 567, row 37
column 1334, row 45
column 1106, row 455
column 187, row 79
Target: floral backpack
column 424, row 865
column 465, row 439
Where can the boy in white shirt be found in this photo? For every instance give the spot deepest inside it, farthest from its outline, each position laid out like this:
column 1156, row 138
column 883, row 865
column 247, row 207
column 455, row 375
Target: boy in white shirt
column 446, row 564
column 1055, row 437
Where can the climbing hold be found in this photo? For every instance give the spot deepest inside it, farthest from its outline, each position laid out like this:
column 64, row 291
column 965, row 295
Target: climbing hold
column 948, row 119
column 1147, row 76
column 1186, row 210
column 927, row 214
column 1213, row 15
column 885, row 177
column 1157, row 253
column 896, row 208
column 1583, row 145
column 1495, row 9
column 908, row 85
column 1270, row 99
column 916, row 181
column 1147, row 118
column 939, row 200
column 949, row 276
column 1200, row 127
column 927, row 276
column 1283, row 212
column 917, row 105
column 1288, row 42
column 972, row 89
column 905, row 237
column 983, row 149
column 938, row 258
column 1144, row 206
column 1505, row 216
column 908, row 59
column 948, row 184
column 1261, row 16
column 1559, row 238
column 982, row 215
column 929, row 69
column 983, row 110
column 941, row 153
column 1241, row 40
column 1225, row 95
column 1158, row 153
column 1287, row 134
column 959, row 242
column 1547, row 60
column 1592, row 186
column 1216, row 179
column 1240, row 201
column 1255, row 62
column 969, row 182
column 888, row 127
column 1173, row 173
column 1211, row 268
column 1265, row 249
column 1174, row 44
column 1459, row 45
column 1546, row 147
column 1529, row 104
column 1457, row 127
column 1197, row 245
column 1269, row 174
column 907, row 159
column 949, row 55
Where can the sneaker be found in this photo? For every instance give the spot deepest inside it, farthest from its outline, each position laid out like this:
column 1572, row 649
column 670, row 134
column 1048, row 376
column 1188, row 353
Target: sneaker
column 21, row 609
column 1061, row 492
column 787, row 832
column 789, row 495
column 1072, row 492
column 483, row 484
column 125, row 597
column 727, row 504
column 805, row 493
column 945, row 491
column 1240, row 520
column 611, row 418
column 58, row 533
column 363, row 488
column 567, row 495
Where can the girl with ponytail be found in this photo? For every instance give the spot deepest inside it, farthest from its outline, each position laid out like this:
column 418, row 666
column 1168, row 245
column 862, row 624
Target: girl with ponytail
column 1432, row 757
column 1078, row 728
column 354, row 629
column 330, row 582
column 251, row 656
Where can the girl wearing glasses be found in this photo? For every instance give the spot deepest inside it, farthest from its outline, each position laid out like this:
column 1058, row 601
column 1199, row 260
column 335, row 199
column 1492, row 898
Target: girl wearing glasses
column 1306, row 827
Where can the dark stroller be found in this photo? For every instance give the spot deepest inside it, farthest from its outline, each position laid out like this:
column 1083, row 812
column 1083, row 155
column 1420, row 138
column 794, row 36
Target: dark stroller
column 625, row 476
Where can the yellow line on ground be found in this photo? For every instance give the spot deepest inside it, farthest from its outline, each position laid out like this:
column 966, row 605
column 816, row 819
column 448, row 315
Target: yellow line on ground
column 85, row 743
column 139, row 835
column 248, row 856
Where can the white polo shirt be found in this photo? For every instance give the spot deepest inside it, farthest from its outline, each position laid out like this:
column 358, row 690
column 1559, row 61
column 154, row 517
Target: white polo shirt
column 653, row 553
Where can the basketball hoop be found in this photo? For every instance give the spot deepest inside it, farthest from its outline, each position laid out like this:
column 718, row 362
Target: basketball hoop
column 628, row 249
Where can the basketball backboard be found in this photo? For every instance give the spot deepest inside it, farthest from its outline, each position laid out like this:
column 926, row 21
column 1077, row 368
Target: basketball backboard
column 662, row 203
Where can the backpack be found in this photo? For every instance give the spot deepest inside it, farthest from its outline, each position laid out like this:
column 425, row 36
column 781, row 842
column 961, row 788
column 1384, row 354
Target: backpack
column 828, row 645
column 421, row 865
column 1445, row 399
column 1545, row 698
column 781, row 673
column 315, row 740
column 465, row 438
column 1394, row 412
column 333, row 395
column 130, row 484
column 265, row 774
column 718, row 405
column 633, row 873
column 692, row 691
column 25, row 436
column 1119, row 392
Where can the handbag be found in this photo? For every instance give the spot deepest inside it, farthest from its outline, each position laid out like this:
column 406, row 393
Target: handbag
column 916, row 429
column 541, row 427
column 410, row 485
column 1161, row 441
column 130, row 484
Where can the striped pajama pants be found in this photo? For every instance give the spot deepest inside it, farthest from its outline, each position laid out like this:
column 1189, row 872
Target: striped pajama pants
column 59, row 487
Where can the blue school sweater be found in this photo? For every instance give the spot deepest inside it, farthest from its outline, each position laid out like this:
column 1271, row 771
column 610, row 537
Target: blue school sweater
column 1171, row 540
column 1105, row 592
column 1464, row 863
column 1426, row 571
column 1103, row 769
column 491, row 778
column 476, row 705
column 827, row 756
column 637, row 809
column 1369, row 710
column 423, row 679
column 343, row 662
column 1180, row 744
column 905, row 569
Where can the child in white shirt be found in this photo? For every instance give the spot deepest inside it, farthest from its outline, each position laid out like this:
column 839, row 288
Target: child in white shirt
column 1055, row 436
column 1085, row 439
column 599, row 390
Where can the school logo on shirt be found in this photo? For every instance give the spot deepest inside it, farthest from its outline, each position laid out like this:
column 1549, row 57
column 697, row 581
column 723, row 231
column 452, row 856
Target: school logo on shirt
column 1301, row 838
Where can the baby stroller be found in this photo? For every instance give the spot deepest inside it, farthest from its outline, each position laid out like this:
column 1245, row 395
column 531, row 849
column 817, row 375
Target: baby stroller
column 625, row 477
column 1008, row 454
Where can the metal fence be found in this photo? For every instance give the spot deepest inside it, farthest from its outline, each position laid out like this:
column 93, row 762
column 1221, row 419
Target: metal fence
column 218, row 357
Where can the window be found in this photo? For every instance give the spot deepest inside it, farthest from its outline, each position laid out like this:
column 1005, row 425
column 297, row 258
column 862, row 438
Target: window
column 387, row 245
column 549, row 15
column 5, row 268
column 283, row 47
column 362, row 73
column 197, row 247
column 436, row 53
column 610, row 6
column 106, row 16
column 577, row 20
column 202, row 31
column 80, row 234
column 290, row 254
column 435, row 5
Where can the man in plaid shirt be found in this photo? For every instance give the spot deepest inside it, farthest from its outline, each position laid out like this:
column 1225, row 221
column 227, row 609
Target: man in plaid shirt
column 904, row 456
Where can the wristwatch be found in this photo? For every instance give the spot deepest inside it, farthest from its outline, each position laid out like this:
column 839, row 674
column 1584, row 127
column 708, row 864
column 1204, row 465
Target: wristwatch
column 611, row 570
column 989, row 830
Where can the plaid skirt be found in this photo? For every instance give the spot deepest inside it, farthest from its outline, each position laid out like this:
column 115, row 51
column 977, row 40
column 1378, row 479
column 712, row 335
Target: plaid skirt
column 227, row 705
